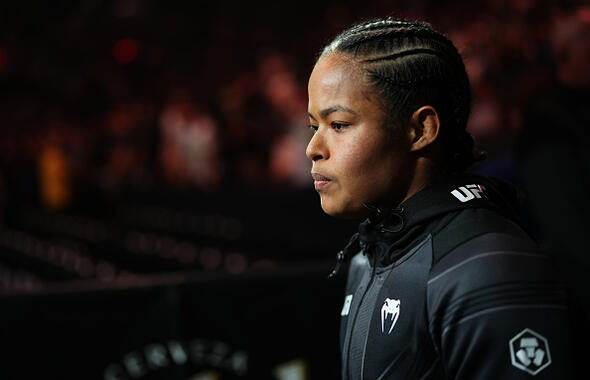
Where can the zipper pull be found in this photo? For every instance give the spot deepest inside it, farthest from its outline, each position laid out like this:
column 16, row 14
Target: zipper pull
column 341, row 256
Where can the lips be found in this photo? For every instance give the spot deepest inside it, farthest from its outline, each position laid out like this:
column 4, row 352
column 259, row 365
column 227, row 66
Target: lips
column 320, row 181
column 319, row 177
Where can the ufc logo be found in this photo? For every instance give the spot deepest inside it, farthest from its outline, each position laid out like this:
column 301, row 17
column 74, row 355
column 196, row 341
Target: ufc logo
column 469, row 192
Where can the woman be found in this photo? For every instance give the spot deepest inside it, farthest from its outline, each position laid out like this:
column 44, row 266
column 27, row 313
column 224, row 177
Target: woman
column 445, row 284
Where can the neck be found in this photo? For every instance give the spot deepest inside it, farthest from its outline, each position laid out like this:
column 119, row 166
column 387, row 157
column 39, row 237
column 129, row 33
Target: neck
column 425, row 173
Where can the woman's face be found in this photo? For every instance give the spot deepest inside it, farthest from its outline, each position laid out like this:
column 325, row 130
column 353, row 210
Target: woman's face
column 355, row 160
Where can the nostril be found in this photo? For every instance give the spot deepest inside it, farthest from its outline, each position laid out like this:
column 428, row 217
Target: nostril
column 317, row 157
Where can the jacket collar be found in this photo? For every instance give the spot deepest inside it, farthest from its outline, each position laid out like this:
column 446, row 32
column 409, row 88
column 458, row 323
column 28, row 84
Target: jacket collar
column 383, row 228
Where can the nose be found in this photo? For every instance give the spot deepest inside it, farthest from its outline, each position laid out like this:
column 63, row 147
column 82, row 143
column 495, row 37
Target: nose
column 316, row 149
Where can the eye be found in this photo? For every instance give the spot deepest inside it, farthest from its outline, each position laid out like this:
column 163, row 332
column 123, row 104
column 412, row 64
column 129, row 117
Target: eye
column 339, row 126
column 313, row 128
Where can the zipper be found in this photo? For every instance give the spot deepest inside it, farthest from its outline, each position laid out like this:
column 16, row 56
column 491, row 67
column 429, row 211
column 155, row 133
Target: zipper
column 369, row 286
column 370, row 318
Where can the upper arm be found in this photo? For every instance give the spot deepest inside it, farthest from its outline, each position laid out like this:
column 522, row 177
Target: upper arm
column 492, row 297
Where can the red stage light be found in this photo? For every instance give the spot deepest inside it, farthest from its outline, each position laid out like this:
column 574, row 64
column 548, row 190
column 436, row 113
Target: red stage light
column 125, row 50
column 584, row 14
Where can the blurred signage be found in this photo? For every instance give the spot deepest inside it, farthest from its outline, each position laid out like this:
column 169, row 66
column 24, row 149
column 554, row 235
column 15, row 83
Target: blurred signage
column 202, row 353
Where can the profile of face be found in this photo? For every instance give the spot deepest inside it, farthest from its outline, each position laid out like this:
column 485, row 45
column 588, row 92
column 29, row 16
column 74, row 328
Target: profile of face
column 354, row 159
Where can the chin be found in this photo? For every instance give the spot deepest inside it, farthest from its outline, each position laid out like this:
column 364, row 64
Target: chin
column 343, row 212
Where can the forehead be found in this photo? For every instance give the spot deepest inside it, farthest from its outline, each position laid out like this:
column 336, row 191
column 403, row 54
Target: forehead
column 336, row 78
column 332, row 68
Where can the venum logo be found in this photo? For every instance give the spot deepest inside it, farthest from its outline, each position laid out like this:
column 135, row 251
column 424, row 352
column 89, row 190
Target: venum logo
column 469, row 192
column 529, row 351
column 389, row 311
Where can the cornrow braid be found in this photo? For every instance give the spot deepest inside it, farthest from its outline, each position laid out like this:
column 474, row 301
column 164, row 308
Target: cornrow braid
column 403, row 53
column 378, row 24
column 410, row 65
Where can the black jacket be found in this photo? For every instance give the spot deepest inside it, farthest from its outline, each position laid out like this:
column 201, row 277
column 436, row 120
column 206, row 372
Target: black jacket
column 450, row 286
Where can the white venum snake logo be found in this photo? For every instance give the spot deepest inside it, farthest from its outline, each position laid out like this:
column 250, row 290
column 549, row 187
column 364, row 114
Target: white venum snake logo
column 390, row 308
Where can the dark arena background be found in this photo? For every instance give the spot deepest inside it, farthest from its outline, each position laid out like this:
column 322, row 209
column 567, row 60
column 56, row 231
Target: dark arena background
column 158, row 218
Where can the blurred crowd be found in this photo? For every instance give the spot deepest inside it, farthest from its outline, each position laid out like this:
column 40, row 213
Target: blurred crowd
column 102, row 97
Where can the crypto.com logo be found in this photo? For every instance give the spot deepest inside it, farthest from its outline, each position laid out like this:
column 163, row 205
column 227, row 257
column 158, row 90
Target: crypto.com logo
column 529, row 351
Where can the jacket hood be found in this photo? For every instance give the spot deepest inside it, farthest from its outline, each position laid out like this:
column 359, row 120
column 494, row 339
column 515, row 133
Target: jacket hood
column 384, row 230
column 456, row 193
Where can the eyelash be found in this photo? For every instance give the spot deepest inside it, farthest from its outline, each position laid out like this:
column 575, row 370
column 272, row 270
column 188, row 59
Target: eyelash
column 336, row 126
column 339, row 126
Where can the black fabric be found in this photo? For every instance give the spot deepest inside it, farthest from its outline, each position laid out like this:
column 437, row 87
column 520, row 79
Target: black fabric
column 553, row 161
column 387, row 233
column 447, row 282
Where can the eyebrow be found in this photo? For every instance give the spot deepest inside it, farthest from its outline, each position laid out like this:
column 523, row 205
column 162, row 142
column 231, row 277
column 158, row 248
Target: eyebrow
column 325, row 112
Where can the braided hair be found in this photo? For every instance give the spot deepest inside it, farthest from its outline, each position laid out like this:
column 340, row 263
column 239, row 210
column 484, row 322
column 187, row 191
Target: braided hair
column 411, row 65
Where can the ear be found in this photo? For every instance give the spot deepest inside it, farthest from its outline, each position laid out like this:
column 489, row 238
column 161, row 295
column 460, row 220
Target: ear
column 424, row 128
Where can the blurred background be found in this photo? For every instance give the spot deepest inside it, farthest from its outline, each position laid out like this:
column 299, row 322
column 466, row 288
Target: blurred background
column 157, row 216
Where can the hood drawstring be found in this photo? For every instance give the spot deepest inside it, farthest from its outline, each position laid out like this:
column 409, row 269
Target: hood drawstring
column 400, row 223
column 341, row 256
column 376, row 218
column 376, row 213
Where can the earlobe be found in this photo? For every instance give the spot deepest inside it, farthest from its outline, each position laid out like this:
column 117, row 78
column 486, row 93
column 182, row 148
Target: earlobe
column 426, row 126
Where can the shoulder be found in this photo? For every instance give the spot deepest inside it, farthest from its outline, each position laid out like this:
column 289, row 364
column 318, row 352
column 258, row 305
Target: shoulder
column 482, row 229
column 481, row 247
column 486, row 262
column 489, row 282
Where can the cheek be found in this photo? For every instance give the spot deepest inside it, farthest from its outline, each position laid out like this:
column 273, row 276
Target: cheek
column 364, row 158
column 384, row 173
column 366, row 172
column 349, row 159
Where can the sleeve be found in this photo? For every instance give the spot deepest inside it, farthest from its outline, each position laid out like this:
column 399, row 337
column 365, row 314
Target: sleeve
column 497, row 311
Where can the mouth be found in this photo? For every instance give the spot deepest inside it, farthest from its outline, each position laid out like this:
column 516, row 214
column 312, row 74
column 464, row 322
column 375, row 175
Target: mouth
column 320, row 181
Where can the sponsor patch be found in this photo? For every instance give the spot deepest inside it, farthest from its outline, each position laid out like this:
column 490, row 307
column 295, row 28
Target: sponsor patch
column 529, row 351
